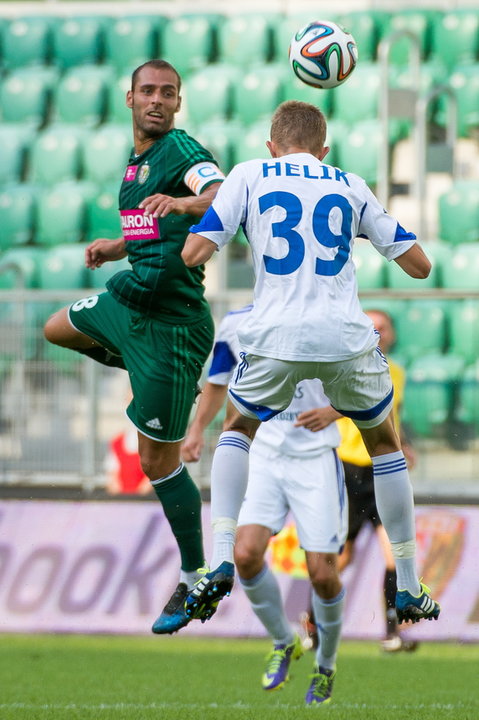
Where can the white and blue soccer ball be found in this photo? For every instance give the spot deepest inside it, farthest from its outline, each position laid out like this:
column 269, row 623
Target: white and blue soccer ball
column 323, row 54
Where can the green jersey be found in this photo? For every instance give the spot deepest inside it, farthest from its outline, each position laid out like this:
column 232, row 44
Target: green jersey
column 159, row 283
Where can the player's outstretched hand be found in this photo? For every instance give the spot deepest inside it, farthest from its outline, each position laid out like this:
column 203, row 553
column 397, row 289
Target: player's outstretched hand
column 103, row 250
column 162, row 205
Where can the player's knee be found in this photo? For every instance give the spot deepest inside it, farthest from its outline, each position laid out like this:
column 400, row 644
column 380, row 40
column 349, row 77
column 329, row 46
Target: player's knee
column 325, row 578
column 249, row 561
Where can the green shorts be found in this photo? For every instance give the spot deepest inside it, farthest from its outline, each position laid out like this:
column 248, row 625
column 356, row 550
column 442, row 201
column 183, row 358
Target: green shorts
column 164, row 361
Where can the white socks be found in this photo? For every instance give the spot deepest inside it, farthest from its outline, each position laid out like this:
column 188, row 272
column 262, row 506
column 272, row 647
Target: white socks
column 229, row 479
column 265, row 597
column 328, row 615
column 395, row 503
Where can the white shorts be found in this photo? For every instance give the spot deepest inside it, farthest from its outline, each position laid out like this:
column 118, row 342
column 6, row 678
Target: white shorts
column 359, row 387
column 312, row 489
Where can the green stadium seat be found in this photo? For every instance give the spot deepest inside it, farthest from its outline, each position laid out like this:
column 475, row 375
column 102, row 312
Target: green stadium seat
column 468, row 401
column 25, row 95
column 131, row 40
column 214, row 82
column 26, row 41
column 17, row 208
column 416, row 21
column 358, row 98
column 221, row 138
column 421, row 329
column 117, row 111
column 336, row 131
column 102, row 216
column 455, row 37
column 19, row 268
column 462, row 273
column 464, row 329
column 394, row 307
column 61, row 214
column 77, row 41
column 359, row 150
column 370, row 266
column 253, row 144
column 188, row 42
column 258, row 93
column 105, row 152
column 245, row 39
column 464, row 81
column 97, row 278
column 15, row 140
column 430, row 391
column 362, row 25
column 63, row 267
column 80, row 96
column 294, row 89
column 55, row 154
column 459, row 213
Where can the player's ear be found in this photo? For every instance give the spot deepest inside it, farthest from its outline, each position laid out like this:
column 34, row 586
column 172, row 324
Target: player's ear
column 129, row 99
column 178, row 105
column 323, row 152
column 272, row 148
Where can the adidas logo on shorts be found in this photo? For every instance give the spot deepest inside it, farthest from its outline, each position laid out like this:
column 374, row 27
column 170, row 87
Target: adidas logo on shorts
column 154, row 424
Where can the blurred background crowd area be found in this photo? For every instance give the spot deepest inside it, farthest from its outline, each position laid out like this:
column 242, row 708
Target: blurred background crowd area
column 407, row 120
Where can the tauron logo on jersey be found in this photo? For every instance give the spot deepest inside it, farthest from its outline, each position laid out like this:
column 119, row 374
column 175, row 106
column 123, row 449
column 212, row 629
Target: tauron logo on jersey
column 130, row 173
column 144, row 173
column 138, row 226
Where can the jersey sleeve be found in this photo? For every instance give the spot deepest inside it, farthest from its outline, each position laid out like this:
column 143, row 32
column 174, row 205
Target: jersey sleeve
column 385, row 233
column 190, row 164
column 227, row 212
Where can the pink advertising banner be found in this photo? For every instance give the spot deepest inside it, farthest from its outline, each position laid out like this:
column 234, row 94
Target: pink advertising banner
column 109, row 567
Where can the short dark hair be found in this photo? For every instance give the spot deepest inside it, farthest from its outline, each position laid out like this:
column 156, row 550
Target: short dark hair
column 159, row 65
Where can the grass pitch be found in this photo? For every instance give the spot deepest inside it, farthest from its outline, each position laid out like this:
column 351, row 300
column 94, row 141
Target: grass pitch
column 179, row 678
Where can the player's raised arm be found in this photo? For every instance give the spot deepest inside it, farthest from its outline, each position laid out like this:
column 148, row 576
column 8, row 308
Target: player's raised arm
column 415, row 262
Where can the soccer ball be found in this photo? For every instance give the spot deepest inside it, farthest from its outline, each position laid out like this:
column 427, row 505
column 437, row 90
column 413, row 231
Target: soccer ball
column 323, row 54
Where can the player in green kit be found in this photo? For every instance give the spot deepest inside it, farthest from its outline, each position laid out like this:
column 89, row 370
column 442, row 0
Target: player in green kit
column 153, row 320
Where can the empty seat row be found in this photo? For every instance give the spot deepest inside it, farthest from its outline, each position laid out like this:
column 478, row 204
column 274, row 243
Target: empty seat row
column 193, row 39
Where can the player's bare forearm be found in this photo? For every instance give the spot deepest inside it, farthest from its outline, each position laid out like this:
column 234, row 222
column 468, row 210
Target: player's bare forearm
column 160, row 205
column 415, row 262
column 209, row 404
column 104, row 250
column 197, row 250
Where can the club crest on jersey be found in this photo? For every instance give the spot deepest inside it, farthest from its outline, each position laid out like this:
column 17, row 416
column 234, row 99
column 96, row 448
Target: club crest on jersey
column 144, row 173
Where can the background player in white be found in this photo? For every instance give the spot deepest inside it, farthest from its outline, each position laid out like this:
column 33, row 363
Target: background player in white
column 293, row 466
column 301, row 217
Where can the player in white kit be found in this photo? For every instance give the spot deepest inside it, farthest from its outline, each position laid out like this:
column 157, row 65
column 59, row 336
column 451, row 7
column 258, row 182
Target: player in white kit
column 301, row 217
column 293, row 467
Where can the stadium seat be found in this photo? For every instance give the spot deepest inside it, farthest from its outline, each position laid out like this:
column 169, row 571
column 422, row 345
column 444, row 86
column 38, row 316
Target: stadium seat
column 131, row 40
column 362, row 25
column 55, row 154
column 80, row 95
column 447, row 29
column 214, row 82
column 117, row 111
column 63, row 267
column 17, row 208
column 77, row 41
column 26, row 41
column 417, row 21
column 19, row 268
column 221, row 138
column 358, row 98
column 188, row 42
column 245, row 39
column 15, row 140
column 370, row 266
column 462, row 272
column 468, row 400
column 430, row 390
column 102, row 215
column 358, row 151
column 105, row 152
column 464, row 82
column 420, row 329
column 61, row 213
column 464, row 328
column 25, row 95
column 253, row 144
column 459, row 213
column 258, row 93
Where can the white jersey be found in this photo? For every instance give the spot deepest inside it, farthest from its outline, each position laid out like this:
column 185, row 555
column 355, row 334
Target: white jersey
column 300, row 217
column 278, row 433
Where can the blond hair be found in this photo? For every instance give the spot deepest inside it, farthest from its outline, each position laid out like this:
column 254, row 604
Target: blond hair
column 299, row 124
